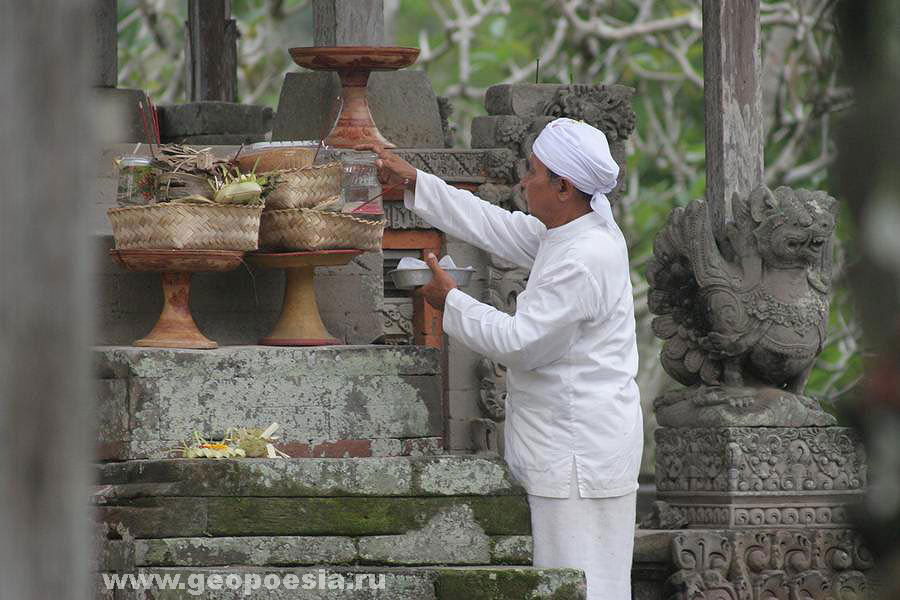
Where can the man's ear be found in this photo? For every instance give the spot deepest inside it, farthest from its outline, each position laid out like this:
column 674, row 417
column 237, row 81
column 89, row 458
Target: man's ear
column 566, row 188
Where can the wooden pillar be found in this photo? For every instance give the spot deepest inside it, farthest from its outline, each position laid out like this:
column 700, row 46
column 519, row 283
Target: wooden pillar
column 349, row 22
column 733, row 101
column 46, row 410
column 211, row 51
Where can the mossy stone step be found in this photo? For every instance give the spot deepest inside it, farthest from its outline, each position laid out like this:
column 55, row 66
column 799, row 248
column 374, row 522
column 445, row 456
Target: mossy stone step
column 368, row 583
column 309, row 477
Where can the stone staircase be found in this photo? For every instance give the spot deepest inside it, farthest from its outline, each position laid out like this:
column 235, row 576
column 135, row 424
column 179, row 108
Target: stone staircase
column 367, row 492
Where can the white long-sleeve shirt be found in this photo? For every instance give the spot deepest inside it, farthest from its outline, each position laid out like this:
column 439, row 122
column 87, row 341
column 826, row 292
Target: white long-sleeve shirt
column 570, row 349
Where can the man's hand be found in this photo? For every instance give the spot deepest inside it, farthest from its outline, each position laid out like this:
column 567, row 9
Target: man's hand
column 393, row 171
column 435, row 292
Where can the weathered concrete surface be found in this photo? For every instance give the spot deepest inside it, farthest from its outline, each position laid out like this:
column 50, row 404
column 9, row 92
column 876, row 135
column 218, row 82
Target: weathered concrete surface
column 479, row 583
column 441, row 542
column 452, row 536
column 210, row 117
column 498, row 131
column 317, row 395
column 259, row 551
column 423, row 583
column 403, row 105
column 217, row 139
column 497, row 515
column 512, row 550
column 520, row 99
column 458, row 475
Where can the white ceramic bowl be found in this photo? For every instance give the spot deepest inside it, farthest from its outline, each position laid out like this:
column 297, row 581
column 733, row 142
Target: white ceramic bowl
column 408, row 279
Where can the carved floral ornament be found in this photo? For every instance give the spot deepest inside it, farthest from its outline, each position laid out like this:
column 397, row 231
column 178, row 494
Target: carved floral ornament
column 770, row 565
column 760, row 460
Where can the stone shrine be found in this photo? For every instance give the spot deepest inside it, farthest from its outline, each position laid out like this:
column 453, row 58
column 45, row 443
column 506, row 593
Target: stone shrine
column 393, row 467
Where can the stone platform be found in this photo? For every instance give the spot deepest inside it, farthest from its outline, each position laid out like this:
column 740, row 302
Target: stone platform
column 756, row 477
column 329, row 401
column 447, row 528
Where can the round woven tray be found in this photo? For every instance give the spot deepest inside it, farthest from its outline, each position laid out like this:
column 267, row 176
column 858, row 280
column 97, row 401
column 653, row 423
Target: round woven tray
column 310, row 229
column 171, row 225
column 276, row 158
column 306, row 187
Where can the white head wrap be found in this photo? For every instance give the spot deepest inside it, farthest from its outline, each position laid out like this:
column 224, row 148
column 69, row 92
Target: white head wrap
column 580, row 153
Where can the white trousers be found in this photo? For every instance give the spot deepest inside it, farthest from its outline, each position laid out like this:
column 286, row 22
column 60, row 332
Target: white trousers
column 595, row 535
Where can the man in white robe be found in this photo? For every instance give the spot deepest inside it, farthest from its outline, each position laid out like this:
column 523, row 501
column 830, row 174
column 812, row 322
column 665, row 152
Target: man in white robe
column 574, row 430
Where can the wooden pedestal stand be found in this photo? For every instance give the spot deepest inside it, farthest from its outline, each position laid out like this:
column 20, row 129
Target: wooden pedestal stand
column 175, row 327
column 300, row 323
column 354, row 64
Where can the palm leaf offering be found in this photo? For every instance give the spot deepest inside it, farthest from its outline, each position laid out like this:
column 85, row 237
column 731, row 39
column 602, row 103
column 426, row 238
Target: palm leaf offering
column 238, row 442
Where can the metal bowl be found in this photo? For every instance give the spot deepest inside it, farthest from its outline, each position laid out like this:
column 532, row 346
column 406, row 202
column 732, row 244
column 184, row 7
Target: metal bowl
column 408, row 279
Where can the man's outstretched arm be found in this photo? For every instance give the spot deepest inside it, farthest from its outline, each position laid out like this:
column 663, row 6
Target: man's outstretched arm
column 513, row 236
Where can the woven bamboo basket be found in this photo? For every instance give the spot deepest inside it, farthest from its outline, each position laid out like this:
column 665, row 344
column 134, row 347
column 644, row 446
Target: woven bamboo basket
column 310, row 229
column 172, row 225
column 306, row 187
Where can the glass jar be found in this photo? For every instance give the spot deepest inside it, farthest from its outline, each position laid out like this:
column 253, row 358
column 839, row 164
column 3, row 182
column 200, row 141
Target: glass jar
column 137, row 181
column 360, row 188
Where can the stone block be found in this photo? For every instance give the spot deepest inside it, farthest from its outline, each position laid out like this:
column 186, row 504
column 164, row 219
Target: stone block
column 354, row 516
column 310, row 477
column 498, row 131
column 510, row 583
column 365, row 583
column 512, row 550
column 259, row 551
column 217, row 139
column 156, row 517
column 113, row 410
column 210, row 117
column 348, row 22
column 745, row 477
column 348, row 393
column 300, row 583
column 402, row 103
column 453, row 475
column 450, row 537
column 520, row 99
column 460, row 431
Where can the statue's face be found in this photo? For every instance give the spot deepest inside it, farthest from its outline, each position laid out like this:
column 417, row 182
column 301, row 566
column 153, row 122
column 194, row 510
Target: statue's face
column 798, row 235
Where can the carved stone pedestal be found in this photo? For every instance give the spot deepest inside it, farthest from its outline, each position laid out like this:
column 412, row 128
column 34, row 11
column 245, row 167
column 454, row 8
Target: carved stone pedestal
column 752, row 477
column 770, row 565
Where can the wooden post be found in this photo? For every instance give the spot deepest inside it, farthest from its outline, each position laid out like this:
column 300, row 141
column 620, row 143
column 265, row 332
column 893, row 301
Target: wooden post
column 46, row 410
column 732, row 98
column 211, row 51
column 349, row 22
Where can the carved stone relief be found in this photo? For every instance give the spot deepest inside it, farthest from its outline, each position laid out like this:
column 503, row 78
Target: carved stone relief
column 770, row 565
column 760, row 459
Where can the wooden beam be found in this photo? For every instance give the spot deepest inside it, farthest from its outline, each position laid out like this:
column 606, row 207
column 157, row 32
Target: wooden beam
column 733, row 106
column 212, row 54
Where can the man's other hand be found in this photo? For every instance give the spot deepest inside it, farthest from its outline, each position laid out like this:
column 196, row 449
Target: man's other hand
column 435, row 292
column 393, row 171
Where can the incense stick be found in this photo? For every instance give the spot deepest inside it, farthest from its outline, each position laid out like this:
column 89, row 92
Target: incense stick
column 146, row 128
